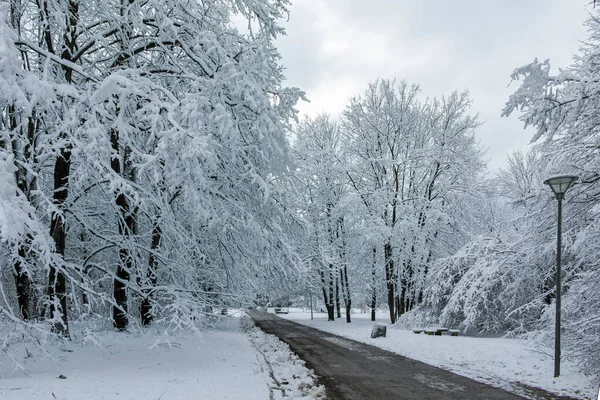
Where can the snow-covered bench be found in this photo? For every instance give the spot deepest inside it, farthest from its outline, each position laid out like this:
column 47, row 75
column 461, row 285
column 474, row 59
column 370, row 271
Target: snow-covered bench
column 437, row 331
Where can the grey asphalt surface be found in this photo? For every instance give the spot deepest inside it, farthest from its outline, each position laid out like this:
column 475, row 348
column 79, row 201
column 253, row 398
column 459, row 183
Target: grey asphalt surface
column 352, row 370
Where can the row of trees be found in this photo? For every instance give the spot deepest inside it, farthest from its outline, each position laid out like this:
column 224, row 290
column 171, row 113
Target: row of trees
column 382, row 192
column 395, row 205
column 140, row 144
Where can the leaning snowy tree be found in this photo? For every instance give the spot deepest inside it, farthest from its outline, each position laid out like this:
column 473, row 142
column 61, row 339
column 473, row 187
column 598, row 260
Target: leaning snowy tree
column 149, row 137
column 189, row 106
column 501, row 280
column 565, row 110
column 39, row 114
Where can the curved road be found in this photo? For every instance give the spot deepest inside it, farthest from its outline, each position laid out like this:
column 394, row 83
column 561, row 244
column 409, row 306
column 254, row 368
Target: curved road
column 353, row 370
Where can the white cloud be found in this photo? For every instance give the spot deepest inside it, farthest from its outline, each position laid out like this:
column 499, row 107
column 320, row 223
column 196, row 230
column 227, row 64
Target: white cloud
column 330, row 96
column 335, row 47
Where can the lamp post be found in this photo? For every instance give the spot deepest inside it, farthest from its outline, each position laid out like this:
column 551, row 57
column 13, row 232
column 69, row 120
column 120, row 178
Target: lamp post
column 311, row 307
column 559, row 185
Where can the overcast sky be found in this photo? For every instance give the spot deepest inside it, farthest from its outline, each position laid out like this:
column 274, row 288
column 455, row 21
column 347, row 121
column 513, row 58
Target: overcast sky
column 333, row 48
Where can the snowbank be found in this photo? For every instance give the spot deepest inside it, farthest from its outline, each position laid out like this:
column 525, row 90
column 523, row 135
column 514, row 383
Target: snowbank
column 289, row 375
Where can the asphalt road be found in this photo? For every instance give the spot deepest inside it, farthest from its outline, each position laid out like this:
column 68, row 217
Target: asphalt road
column 352, row 370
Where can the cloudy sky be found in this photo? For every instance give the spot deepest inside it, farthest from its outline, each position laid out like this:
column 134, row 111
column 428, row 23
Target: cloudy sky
column 334, row 47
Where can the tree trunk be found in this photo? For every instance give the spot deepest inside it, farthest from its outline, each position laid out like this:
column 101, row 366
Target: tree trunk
column 347, row 297
column 344, row 271
column 337, row 297
column 126, row 227
column 330, row 312
column 20, row 273
column 120, row 319
column 374, row 284
column 328, row 305
column 407, row 283
column 146, row 310
column 402, row 299
column 326, row 300
column 84, row 296
column 390, row 280
column 57, row 283
column 125, row 212
column 23, row 285
column 348, row 309
column 331, row 305
column 22, row 153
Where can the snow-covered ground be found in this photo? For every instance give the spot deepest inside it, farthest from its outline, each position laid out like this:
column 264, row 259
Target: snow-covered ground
column 290, row 378
column 501, row 362
column 225, row 363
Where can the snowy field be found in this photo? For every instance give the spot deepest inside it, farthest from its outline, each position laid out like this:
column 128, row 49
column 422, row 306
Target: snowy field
column 505, row 363
column 225, row 363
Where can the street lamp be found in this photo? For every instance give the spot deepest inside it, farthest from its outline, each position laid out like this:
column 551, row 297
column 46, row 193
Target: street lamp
column 559, row 185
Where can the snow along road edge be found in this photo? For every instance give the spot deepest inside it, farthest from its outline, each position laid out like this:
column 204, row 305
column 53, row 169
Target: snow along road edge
column 287, row 373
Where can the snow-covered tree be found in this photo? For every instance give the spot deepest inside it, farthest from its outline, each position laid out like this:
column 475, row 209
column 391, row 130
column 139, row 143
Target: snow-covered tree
column 150, row 137
column 411, row 163
column 564, row 109
column 500, row 279
column 503, row 280
column 321, row 190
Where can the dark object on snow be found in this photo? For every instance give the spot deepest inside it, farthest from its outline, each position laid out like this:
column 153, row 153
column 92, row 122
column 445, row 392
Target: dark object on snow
column 378, row 331
column 62, row 377
column 437, row 331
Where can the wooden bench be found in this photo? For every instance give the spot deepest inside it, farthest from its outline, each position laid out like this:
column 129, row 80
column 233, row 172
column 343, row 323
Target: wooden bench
column 437, row 331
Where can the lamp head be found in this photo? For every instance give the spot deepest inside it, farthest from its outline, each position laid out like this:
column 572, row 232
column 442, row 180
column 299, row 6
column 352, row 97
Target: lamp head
column 560, row 183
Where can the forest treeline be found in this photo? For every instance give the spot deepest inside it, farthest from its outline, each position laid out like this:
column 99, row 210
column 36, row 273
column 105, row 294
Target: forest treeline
column 140, row 142
column 401, row 213
column 147, row 177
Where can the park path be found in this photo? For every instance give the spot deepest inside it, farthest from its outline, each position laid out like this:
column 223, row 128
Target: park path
column 352, row 370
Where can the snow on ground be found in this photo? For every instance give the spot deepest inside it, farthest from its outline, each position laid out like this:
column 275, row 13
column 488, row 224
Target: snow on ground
column 290, row 378
column 501, row 362
column 221, row 364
